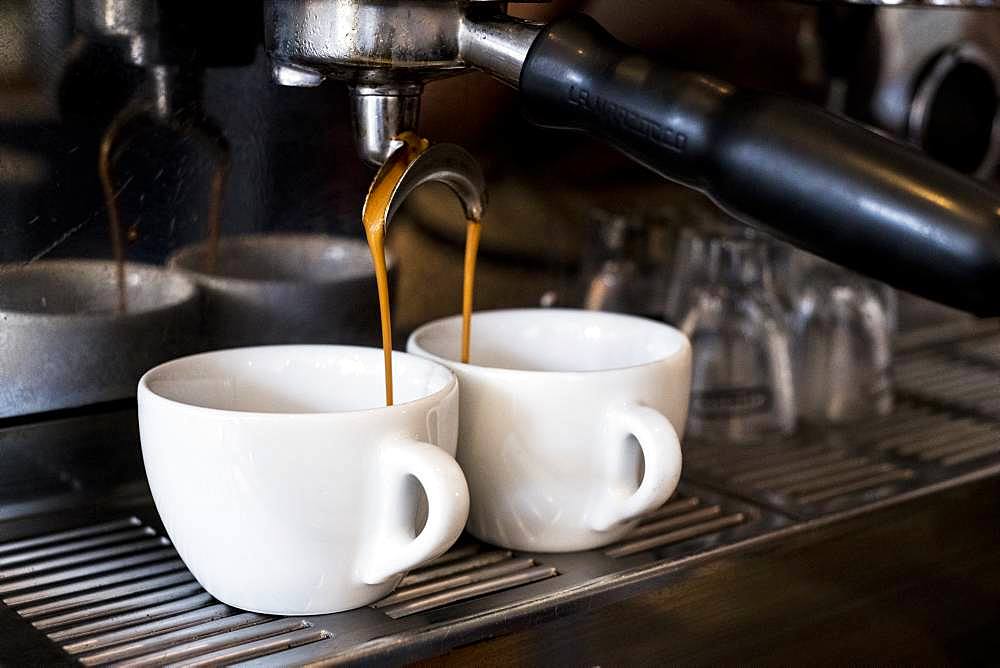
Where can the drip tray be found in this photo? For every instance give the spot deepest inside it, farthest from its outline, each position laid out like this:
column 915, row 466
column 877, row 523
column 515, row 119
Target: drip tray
column 116, row 592
column 102, row 584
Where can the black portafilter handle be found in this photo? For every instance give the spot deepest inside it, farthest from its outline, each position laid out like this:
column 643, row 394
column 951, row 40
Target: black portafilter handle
column 820, row 182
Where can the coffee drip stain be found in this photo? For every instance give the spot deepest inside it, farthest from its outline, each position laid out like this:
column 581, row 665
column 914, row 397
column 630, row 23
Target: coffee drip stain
column 204, row 133
column 217, row 189
column 108, row 142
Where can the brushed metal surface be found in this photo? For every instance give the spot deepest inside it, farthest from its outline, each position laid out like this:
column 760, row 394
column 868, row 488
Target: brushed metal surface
column 153, row 613
column 65, row 344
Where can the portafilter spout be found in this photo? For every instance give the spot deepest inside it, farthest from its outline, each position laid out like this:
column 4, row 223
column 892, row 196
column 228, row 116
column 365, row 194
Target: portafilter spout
column 449, row 165
column 821, row 182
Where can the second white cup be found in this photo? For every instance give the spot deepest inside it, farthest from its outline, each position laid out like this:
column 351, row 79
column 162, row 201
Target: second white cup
column 569, row 422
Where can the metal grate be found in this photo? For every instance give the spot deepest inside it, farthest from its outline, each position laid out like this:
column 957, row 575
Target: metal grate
column 118, row 593
column 927, row 434
column 464, row 572
column 799, row 475
column 985, row 350
column 680, row 519
column 960, row 384
column 946, row 423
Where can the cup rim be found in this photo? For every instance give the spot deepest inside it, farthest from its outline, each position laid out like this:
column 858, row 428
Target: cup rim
column 413, row 347
column 184, row 290
column 145, row 390
column 176, row 259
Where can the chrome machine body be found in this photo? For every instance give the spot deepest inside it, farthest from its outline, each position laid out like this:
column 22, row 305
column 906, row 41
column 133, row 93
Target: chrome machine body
column 386, row 51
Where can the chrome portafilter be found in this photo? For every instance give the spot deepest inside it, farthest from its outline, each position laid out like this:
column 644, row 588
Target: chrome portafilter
column 386, row 50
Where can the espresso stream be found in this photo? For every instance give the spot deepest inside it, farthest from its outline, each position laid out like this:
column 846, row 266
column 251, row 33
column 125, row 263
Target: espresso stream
column 373, row 219
column 220, row 174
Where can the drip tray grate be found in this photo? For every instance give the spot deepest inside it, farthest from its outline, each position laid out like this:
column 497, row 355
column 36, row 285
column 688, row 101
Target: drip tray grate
column 800, row 476
column 946, row 424
column 963, row 385
column 465, row 572
column 682, row 519
column 925, row 434
column 117, row 592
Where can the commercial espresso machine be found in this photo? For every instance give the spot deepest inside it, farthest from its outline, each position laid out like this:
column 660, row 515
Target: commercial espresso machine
column 872, row 540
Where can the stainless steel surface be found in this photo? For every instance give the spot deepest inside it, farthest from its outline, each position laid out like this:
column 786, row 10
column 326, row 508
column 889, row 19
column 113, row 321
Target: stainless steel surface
column 380, row 114
column 145, row 38
column 918, row 52
column 802, row 477
column 386, row 51
column 930, row 92
column 286, row 288
column 498, row 45
column 155, row 613
column 449, row 165
column 371, row 42
column 64, row 342
column 964, row 378
column 379, row 42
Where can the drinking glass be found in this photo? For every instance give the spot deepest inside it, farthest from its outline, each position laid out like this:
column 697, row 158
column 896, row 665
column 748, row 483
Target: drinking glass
column 742, row 386
column 626, row 262
column 842, row 326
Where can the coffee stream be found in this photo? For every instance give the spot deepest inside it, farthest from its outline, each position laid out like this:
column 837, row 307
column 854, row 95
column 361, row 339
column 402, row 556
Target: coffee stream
column 373, row 218
column 108, row 188
column 220, row 175
column 474, row 230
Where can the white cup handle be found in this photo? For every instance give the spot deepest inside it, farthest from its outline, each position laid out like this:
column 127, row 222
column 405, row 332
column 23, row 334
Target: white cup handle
column 661, row 451
column 394, row 551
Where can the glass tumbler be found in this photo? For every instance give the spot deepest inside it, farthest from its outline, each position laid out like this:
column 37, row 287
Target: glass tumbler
column 743, row 387
column 842, row 326
column 625, row 264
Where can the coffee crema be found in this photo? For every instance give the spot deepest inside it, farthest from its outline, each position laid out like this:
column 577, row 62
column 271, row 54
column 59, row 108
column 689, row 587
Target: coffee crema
column 374, row 220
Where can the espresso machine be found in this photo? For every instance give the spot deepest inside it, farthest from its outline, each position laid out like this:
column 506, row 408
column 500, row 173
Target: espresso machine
column 283, row 109
column 763, row 158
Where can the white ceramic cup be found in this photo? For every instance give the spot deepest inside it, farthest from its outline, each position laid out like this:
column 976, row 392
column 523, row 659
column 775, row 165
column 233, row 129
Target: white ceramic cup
column 569, row 422
column 285, row 483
